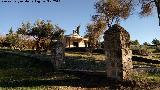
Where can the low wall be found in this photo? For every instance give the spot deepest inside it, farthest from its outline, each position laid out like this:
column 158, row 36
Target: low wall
column 146, row 60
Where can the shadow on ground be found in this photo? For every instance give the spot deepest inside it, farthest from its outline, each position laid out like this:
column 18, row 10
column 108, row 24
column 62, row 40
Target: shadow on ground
column 84, row 83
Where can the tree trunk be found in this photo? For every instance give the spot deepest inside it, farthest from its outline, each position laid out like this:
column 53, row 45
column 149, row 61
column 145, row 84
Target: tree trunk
column 37, row 45
column 157, row 3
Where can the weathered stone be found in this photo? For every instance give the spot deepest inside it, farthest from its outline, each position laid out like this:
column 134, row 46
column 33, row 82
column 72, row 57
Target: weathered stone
column 58, row 54
column 118, row 54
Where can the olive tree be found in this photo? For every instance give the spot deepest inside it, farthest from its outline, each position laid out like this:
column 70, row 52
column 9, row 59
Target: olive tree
column 112, row 11
column 93, row 33
column 44, row 32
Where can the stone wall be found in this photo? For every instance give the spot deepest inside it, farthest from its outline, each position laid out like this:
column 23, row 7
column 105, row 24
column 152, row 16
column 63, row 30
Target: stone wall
column 58, row 54
column 118, row 54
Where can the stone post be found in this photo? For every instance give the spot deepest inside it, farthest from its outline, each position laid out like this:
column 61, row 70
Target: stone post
column 117, row 52
column 58, row 54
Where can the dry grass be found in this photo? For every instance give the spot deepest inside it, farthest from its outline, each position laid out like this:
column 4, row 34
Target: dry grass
column 85, row 55
column 53, row 88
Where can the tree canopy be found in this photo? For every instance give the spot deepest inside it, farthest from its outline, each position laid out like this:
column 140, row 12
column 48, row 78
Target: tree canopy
column 94, row 31
column 112, row 11
column 44, row 32
column 135, row 42
column 146, row 43
column 155, row 41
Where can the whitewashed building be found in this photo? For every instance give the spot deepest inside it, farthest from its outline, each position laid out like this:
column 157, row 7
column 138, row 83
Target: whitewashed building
column 75, row 40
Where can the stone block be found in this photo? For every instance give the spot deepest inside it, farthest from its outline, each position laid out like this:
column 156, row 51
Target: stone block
column 118, row 55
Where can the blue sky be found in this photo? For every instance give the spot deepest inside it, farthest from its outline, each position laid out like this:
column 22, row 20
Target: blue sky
column 70, row 13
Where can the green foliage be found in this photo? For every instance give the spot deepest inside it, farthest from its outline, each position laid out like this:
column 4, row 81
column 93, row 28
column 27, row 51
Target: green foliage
column 135, row 42
column 112, row 11
column 43, row 32
column 11, row 38
column 11, row 31
column 93, row 33
column 41, row 29
column 24, row 28
column 146, row 43
column 58, row 34
column 155, row 41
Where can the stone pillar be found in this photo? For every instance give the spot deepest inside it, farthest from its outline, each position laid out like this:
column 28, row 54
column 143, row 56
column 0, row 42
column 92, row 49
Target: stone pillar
column 58, row 54
column 117, row 52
